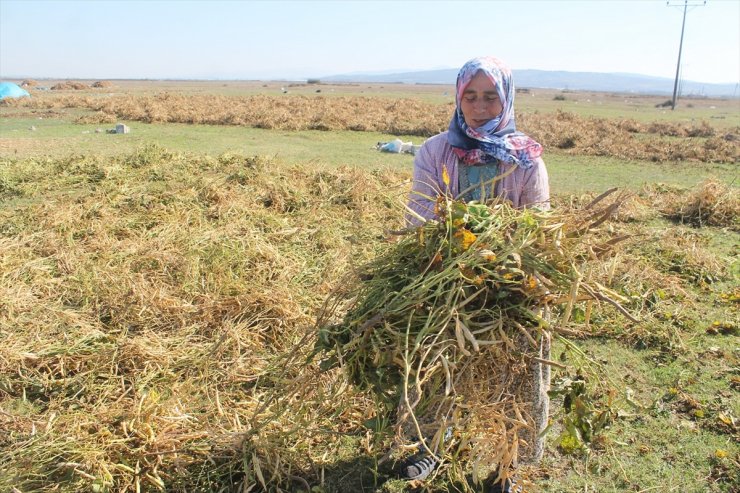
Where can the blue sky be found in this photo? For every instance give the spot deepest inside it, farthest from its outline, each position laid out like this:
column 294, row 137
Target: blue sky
column 300, row 39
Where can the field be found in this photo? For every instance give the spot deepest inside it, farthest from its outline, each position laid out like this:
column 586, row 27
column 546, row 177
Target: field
column 159, row 289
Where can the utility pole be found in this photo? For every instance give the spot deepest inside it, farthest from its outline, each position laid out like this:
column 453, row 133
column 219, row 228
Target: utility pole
column 686, row 5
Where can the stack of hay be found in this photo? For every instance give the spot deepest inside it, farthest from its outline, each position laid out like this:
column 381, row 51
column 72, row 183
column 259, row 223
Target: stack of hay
column 448, row 321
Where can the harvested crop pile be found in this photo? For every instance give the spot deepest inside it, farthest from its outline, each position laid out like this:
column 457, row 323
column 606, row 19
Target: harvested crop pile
column 454, row 321
column 29, row 83
column 567, row 132
column 69, row 86
column 96, row 118
column 711, row 204
column 400, row 117
column 102, row 84
column 142, row 298
column 627, row 139
column 157, row 311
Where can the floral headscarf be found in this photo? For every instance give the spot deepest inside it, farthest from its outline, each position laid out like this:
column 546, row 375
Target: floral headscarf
column 497, row 140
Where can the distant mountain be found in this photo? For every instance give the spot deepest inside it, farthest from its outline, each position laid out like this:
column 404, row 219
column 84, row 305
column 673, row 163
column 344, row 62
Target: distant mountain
column 548, row 79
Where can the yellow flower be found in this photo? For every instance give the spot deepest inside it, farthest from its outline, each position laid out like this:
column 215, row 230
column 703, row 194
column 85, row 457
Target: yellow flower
column 530, row 283
column 464, row 239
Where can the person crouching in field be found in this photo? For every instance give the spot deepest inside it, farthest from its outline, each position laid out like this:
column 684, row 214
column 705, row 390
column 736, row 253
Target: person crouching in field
column 482, row 143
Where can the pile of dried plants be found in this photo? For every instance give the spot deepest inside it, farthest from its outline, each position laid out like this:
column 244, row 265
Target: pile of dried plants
column 567, row 132
column 158, row 316
column 449, row 321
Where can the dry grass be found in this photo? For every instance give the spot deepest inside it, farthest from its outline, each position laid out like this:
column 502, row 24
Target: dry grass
column 152, row 304
column 402, row 117
column 70, row 85
column 568, row 132
column 711, row 204
column 156, row 313
column 628, row 139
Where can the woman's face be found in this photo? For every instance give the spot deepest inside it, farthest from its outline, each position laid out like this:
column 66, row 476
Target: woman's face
column 480, row 102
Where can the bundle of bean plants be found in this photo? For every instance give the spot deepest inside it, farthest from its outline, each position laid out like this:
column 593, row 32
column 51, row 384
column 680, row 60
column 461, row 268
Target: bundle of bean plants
column 445, row 326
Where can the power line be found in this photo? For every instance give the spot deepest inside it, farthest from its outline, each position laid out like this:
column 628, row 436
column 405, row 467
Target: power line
column 686, row 5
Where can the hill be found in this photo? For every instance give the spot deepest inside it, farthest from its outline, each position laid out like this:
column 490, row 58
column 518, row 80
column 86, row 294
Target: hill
column 548, row 79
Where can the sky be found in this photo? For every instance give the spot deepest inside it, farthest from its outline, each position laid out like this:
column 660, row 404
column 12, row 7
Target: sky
column 250, row 39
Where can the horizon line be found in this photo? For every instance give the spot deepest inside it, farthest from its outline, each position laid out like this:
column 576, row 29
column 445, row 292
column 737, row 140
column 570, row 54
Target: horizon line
column 347, row 74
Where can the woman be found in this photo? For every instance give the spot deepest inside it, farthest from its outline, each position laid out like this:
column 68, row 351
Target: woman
column 483, row 155
column 482, row 142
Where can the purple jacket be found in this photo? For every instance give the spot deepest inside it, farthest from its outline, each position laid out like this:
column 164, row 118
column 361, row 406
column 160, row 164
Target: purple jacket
column 523, row 187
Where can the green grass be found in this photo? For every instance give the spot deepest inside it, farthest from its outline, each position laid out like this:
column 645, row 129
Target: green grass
column 683, row 376
column 720, row 113
column 658, row 447
column 572, row 174
column 58, row 138
column 568, row 173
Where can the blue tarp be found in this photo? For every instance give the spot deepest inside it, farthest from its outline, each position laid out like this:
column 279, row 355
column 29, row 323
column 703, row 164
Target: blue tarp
column 10, row 90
